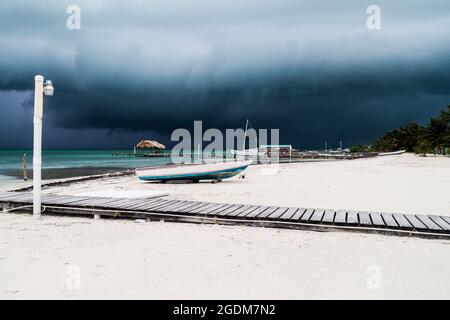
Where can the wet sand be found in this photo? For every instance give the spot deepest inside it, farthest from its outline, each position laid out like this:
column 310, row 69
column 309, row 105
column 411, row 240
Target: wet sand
column 60, row 173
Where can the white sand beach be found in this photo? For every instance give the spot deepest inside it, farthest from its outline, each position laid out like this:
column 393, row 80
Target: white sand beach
column 156, row 260
column 70, row 258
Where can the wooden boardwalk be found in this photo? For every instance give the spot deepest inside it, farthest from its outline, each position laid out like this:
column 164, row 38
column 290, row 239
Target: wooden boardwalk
column 432, row 226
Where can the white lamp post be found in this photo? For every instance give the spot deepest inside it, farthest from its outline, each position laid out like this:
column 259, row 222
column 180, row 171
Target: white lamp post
column 40, row 89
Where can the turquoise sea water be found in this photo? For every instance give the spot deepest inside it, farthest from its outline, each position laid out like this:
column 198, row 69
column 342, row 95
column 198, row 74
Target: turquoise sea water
column 69, row 163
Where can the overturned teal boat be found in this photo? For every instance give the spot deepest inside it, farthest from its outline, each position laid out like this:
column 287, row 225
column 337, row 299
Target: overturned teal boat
column 193, row 172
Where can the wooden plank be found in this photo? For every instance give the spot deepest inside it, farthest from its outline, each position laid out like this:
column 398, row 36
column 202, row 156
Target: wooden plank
column 277, row 213
column 317, row 215
column 5, row 195
column 377, row 220
column 416, row 223
column 182, row 208
column 50, row 196
column 75, row 201
column 328, row 217
column 230, row 210
column 445, row 218
column 59, row 199
column 110, row 204
column 289, row 213
column 85, row 202
column 127, row 205
column 430, row 224
column 297, row 214
column 440, row 222
column 209, row 210
column 237, row 212
column 90, row 201
column 174, row 206
column 402, row 221
column 123, row 203
column 352, row 218
column 19, row 198
column 389, row 220
column 249, row 209
column 207, row 207
column 53, row 199
column 199, row 209
column 227, row 206
column 364, row 219
column 213, row 211
column 137, row 206
column 56, row 197
column 177, row 205
column 136, row 201
column 256, row 212
column 157, row 206
column 14, row 195
column 341, row 217
column 198, row 206
column 163, row 205
column 145, row 206
column 306, row 215
column 267, row 212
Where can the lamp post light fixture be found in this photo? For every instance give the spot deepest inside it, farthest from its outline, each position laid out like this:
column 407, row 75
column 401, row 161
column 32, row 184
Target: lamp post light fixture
column 40, row 89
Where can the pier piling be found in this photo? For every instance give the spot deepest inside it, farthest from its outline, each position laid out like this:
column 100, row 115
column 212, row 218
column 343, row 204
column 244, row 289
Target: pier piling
column 24, row 159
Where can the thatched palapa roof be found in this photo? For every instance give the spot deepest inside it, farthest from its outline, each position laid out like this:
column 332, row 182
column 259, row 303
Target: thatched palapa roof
column 150, row 144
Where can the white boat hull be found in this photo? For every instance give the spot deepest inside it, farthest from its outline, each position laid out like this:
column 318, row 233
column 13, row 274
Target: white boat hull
column 194, row 172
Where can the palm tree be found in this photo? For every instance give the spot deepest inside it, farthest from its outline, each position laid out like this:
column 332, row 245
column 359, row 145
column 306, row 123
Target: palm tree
column 415, row 138
column 445, row 118
column 408, row 136
column 437, row 133
column 445, row 115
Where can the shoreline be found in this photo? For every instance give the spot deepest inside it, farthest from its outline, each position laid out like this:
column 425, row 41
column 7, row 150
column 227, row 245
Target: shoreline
column 60, row 173
column 78, row 179
column 54, row 176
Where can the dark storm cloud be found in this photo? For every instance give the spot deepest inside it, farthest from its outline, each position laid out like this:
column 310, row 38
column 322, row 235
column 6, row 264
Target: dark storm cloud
column 310, row 68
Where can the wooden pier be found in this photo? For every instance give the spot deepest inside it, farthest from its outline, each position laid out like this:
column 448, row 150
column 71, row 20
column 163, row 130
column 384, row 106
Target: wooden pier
column 427, row 226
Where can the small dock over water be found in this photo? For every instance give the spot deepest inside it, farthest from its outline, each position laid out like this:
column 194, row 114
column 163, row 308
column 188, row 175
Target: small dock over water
column 141, row 154
column 427, row 226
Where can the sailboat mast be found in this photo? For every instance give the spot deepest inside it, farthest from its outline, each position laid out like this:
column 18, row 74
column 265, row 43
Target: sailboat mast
column 245, row 134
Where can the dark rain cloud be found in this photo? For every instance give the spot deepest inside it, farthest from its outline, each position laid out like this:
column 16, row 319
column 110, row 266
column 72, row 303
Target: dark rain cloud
column 310, row 68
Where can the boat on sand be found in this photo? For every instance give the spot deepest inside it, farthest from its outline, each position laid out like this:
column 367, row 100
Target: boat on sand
column 193, row 172
column 393, row 153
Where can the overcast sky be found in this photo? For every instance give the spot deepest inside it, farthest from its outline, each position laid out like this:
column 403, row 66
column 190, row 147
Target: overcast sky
column 140, row 69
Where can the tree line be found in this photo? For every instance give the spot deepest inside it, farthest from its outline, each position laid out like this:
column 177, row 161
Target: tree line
column 432, row 138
